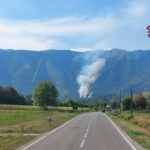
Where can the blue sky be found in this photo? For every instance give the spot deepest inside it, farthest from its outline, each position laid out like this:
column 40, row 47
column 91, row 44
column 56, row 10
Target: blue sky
column 74, row 24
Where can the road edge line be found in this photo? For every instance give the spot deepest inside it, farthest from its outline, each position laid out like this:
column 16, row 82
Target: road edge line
column 120, row 132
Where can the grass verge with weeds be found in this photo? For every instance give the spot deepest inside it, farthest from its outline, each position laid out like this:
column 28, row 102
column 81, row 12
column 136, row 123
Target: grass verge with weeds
column 138, row 127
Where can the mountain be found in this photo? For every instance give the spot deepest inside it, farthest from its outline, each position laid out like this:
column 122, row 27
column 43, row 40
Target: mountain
column 23, row 69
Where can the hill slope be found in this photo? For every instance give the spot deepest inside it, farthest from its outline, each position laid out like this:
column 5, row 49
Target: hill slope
column 23, row 69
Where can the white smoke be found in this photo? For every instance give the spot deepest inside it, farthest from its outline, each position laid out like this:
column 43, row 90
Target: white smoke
column 88, row 75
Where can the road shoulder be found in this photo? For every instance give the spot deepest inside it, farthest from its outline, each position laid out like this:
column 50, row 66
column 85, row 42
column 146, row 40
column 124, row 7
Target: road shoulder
column 131, row 142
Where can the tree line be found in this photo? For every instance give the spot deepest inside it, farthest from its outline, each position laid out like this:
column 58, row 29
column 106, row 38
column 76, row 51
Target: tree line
column 44, row 94
column 9, row 95
column 138, row 102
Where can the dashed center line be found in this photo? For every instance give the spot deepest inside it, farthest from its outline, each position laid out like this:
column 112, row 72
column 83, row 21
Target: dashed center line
column 83, row 141
column 86, row 133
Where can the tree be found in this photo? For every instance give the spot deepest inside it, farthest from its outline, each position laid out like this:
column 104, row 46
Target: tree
column 140, row 101
column 81, row 103
column 28, row 99
column 93, row 104
column 44, row 94
column 97, row 104
column 53, row 95
column 101, row 104
column 11, row 96
column 1, row 95
column 70, row 103
column 126, row 103
column 114, row 103
column 148, row 101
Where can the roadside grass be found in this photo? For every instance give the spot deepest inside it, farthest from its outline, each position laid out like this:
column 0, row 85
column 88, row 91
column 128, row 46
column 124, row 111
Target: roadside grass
column 138, row 127
column 12, row 142
column 30, row 121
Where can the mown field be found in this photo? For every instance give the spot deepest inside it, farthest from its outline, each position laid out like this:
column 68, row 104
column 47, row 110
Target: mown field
column 138, row 127
column 29, row 119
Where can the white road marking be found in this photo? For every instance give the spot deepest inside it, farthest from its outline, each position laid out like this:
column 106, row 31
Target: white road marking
column 125, row 138
column 86, row 133
column 35, row 142
column 87, row 130
column 58, row 128
column 51, row 132
column 83, row 141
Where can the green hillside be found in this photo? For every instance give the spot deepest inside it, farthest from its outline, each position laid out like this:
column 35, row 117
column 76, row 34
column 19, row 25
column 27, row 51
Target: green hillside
column 23, row 69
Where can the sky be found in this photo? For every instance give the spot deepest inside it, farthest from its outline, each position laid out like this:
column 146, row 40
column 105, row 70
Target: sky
column 79, row 25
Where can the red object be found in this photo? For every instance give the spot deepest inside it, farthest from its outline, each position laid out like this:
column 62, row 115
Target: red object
column 148, row 28
column 103, row 110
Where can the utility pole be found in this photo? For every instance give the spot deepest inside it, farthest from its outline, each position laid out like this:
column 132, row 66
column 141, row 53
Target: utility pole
column 120, row 102
column 131, row 90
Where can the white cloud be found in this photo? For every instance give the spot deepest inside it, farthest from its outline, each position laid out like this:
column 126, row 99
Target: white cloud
column 35, row 34
column 28, row 43
column 58, row 27
column 137, row 8
column 39, row 34
column 81, row 49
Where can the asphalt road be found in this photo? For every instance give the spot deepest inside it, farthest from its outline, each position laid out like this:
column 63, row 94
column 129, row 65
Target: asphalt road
column 91, row 131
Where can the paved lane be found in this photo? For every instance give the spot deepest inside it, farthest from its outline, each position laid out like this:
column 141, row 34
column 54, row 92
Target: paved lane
column 91, row 131
column 103, row 136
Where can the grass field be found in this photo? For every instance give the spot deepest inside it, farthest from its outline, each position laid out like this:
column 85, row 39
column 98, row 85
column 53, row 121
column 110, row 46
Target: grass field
column 138, row 128
column 9, row 117
column 28, row 107
column 28, row 121
column 25, row 119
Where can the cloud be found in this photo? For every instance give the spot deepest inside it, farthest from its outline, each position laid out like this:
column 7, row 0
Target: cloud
column 37, row 34
column 95, row 31
column 81, row 49
column 137, row 8
column 130, row 33
column 27, row 43
column 58, row 27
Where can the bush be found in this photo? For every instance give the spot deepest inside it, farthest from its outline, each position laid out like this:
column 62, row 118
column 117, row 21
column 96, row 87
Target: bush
column 140, row 101
column 9, row 95
column 126, row 103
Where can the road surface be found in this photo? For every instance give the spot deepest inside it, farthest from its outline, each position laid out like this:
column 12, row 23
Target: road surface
column 91, row 131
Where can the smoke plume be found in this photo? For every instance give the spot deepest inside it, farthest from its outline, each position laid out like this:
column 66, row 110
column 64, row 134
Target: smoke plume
column 88, row 75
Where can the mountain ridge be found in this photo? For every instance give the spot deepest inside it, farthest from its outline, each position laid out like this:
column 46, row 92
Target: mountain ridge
column 23, row 69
